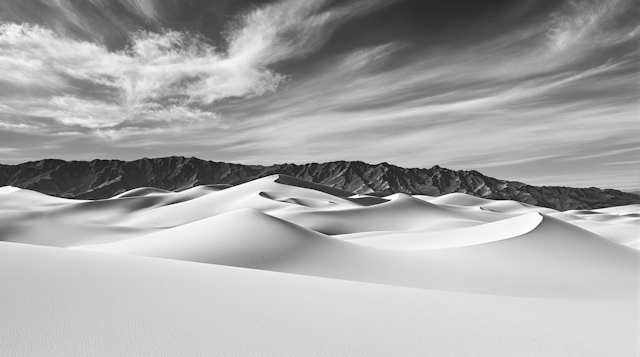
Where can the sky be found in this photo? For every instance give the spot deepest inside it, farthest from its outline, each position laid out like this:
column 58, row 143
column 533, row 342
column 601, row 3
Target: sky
column 543, row 92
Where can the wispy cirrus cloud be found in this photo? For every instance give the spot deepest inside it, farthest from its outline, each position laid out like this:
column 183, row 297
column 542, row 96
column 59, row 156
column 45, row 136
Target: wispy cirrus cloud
column 160, row 76
column 100, row 21
column 155, row 75
column 581, row 24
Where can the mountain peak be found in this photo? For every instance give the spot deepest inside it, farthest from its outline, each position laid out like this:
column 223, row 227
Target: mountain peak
column 99, row 179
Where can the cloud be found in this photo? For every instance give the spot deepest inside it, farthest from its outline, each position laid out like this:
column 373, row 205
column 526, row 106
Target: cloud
column 6, row 150
column 155, row 67
column 589, row 23
column 635, row 149
column 16, row 126
column 291, row 29
column 495, row 161
column 633, row 162
column 160, row 76
column 95, row 114
column 100, row 21
column 147, row 9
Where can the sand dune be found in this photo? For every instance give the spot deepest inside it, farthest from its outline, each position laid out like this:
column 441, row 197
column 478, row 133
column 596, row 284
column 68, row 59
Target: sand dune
column 503, row 276
column 58, row 302
column 480, row 263
column 14, row 198
column 142, row 191
column 450, row 238
column 8, row 189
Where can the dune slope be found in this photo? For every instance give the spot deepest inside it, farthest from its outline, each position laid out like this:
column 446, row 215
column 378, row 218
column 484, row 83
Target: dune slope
column 58, row 302
column 153, row 272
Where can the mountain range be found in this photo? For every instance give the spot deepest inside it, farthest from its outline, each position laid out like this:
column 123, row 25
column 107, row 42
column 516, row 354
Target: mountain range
column 99, row 179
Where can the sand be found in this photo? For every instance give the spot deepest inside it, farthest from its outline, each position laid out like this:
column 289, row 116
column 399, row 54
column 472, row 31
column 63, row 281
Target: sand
column 279, row 266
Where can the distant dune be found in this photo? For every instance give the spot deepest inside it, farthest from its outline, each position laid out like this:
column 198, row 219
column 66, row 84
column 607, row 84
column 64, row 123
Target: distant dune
column 100, row 179
column 282, row 266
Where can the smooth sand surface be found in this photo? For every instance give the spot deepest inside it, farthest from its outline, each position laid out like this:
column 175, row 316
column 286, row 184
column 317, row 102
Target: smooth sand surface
column 152, row 272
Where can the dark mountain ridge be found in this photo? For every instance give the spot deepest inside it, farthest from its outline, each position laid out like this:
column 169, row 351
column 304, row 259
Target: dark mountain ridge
column 98, row 179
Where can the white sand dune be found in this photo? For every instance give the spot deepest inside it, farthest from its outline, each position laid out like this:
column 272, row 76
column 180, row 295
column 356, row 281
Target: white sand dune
column 626, row 234
column 58, row 302
column 247, row 195
column 8, row 189
column 14, row 198
column 449, row 238
column 142, row 191
column 619, row 224
column 621, row 210
column 154, row 272
column 400, row 213
column 553, row 259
